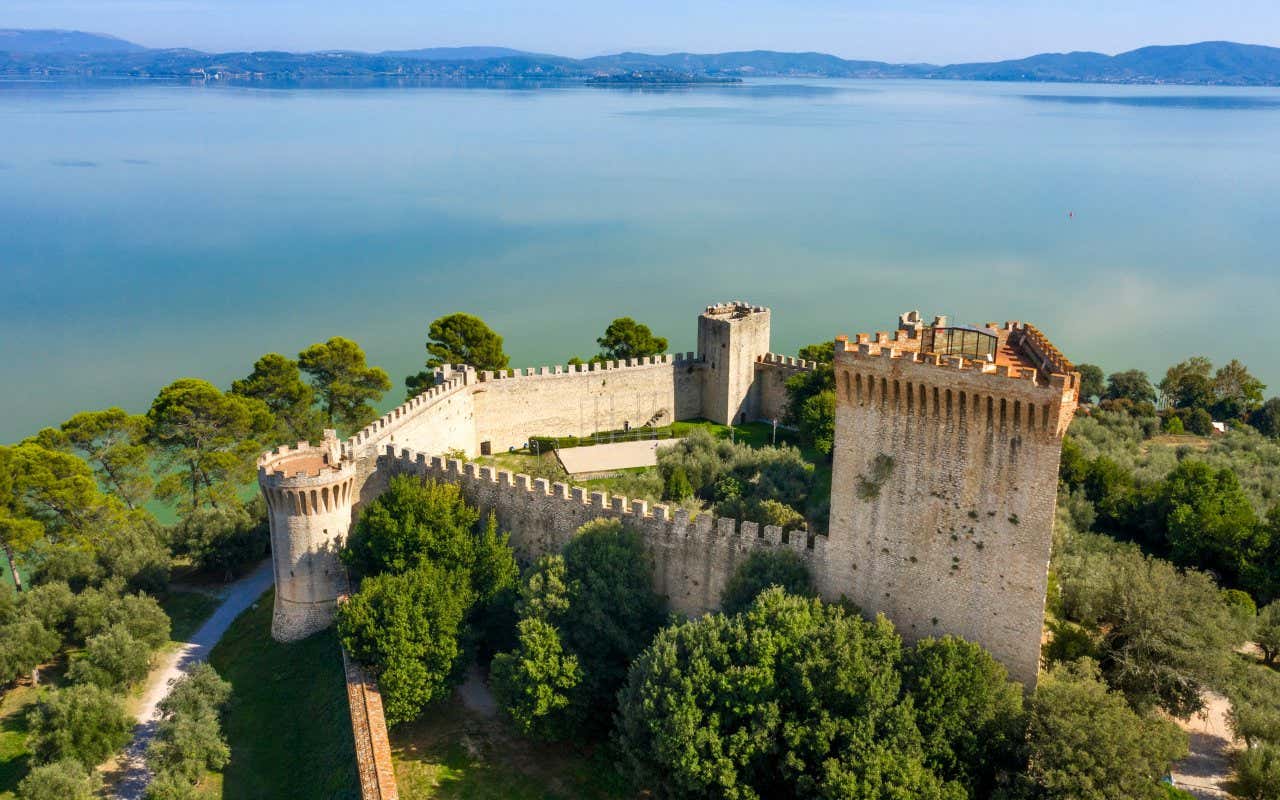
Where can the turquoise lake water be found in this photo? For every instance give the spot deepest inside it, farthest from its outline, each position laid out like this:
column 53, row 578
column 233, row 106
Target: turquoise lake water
column 153, row 232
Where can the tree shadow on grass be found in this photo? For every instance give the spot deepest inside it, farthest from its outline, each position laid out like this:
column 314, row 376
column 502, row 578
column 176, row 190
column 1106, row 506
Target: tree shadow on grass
column 288, row 723
column 451, row 753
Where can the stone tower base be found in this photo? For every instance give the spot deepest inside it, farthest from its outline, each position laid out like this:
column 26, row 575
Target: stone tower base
column 293, row 621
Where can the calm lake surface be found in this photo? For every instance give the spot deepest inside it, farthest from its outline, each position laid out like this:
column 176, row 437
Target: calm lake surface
column 153, row 232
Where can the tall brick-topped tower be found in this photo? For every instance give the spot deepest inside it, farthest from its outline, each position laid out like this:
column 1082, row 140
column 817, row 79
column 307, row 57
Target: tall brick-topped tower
column 731, row 338
column 945, row 480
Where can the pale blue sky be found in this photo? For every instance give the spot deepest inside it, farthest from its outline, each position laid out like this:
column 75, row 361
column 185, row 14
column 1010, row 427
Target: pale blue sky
column 906, row 30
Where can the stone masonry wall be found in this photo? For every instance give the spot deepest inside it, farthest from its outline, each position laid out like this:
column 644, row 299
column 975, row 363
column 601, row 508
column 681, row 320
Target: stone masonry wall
column 772, row 373
column 580, row 400
column 692, row 559
column 943, row 496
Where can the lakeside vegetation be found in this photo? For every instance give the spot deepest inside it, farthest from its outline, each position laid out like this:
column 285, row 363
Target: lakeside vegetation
column 578, row 652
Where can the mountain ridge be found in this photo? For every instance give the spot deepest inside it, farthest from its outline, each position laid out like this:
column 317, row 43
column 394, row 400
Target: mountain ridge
column 54, row 53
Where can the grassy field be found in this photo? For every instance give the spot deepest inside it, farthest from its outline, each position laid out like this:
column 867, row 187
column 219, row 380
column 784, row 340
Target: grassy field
column 13, row 738
column 287, row 722
column 187, row 612
column 454, row 754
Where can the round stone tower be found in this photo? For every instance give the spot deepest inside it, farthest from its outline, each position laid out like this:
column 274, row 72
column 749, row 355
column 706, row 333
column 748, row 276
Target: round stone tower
column 309, row 491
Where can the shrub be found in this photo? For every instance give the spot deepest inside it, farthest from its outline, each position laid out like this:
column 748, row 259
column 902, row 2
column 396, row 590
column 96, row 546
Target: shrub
column 677, row 486
column 85, row 723
column 1086, row 743
column 761, row 570
column 1258, row 773
column 60, row 780
column 112, row 659
column 24, row 645
column 535, row 682
column 408, row 628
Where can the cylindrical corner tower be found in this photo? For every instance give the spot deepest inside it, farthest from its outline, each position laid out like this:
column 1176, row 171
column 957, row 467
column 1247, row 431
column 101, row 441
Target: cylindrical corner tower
column 309, row 492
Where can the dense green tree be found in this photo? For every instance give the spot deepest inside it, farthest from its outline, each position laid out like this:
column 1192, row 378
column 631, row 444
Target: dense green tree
column 1266, row 632
column 534, row 683
column 1208, row 520
column 816, row 419
column 676, row 485
column 790, row 699
column 61, row 780
column 1132, row 385
column 1258, row 773
column 114, row 443
column 1086, row 743
column 822, row 352
column 25, row 644
column 625, row 338
column 221, row 540
column 1093, row 382
column 968, row 711
column 345, row 384
column 112, row 659
column 408, row 627
column 208, row 440
column 544, row 594
column 613, row 611
column 1267, row 418
column 411, row 522
column 189, row 737
column 459, row 339
column 1236, row 392
column 83, row 722
column 277, row 381
column 50, row 603
column 1189, row 384
column 1164, row 635
column 171, row 786
column 18, row 532
column 762, row 569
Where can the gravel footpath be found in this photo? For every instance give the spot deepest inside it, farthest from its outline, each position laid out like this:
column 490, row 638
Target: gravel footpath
column 239, row 596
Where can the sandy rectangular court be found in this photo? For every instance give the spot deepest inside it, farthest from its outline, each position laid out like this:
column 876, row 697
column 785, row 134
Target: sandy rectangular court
column 604, row 458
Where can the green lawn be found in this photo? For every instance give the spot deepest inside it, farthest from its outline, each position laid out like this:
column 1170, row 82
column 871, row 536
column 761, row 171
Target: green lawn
column 454, row 754
column 287, row 722
column 14, row 756
column 187, row 612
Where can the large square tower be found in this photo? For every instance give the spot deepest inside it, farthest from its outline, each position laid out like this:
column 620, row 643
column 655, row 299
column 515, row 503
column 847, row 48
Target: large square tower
column 731, row 337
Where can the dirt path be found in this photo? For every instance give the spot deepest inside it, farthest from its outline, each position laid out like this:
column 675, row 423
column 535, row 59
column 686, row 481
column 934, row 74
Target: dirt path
column 1206, row 772
column 133, row 774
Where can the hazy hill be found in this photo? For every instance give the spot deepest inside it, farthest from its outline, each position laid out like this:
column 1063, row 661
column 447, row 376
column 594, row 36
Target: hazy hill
column 1204, row 63
column 72, row 54
column 55, row 41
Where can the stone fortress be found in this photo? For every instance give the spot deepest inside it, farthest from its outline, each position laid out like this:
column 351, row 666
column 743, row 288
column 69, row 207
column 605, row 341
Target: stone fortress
column 943, row 492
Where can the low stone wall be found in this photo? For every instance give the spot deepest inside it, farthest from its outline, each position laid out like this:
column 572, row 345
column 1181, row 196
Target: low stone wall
column 369, row 727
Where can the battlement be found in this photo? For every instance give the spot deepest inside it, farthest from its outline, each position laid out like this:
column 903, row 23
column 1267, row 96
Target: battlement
column 777, row 360
column 734, row 309
column 676, row 359
column 381, row 426
column 651, row 521
column 305, row 464
column 1021, row 346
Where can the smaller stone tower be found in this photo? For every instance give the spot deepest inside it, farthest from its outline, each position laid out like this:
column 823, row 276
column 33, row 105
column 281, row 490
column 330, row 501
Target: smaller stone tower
column 309, row 492
column 731, row 336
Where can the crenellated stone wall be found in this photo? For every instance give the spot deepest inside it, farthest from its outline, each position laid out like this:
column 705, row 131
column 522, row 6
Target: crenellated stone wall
column 692, row 558
column 943, row 487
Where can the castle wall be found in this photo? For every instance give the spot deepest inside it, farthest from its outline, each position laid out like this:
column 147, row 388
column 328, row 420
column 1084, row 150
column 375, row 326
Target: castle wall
column 943, row 497
column 770, row 387
column 581, row 400
column 692, row 559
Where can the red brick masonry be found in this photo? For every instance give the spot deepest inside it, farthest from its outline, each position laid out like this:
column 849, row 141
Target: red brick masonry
column 373, row 749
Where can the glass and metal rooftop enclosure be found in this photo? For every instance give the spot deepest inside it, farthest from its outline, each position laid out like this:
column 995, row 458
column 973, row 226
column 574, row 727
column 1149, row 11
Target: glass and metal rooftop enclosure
column 971, row 343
